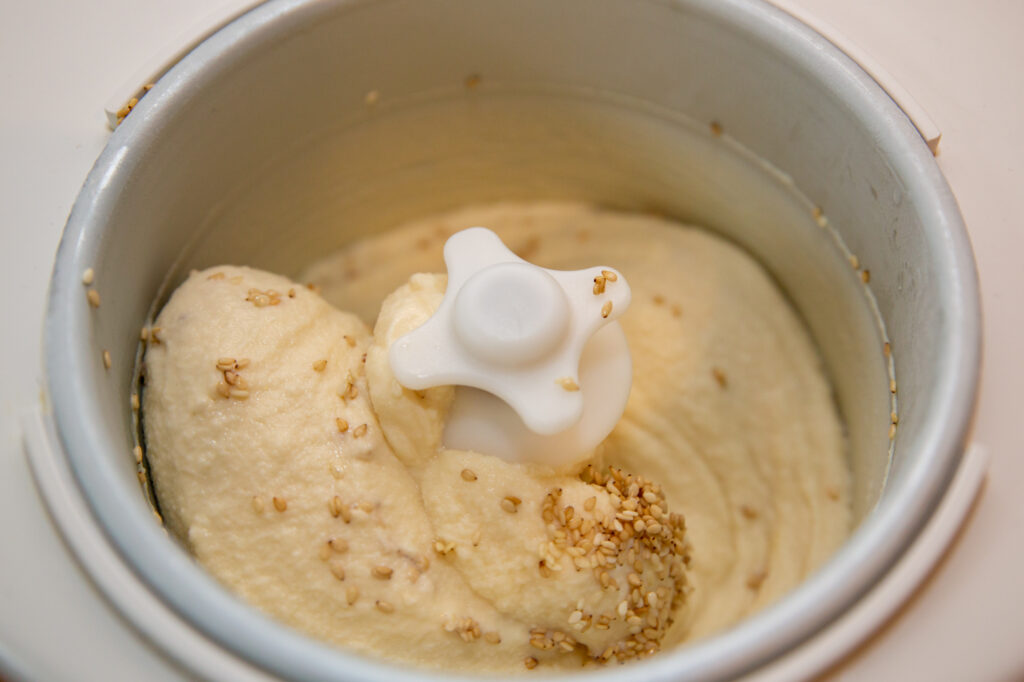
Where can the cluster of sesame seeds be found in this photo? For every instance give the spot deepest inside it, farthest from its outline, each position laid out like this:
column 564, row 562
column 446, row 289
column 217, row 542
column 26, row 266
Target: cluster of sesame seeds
column 262, row 299
column 337, row 508
column 444, row 547
column 638, row 537
column 151, row 335
column 547, row 640
column 602, row 280
column 232, row 384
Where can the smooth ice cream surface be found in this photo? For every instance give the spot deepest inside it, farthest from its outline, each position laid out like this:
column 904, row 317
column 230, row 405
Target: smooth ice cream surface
column 297, row 470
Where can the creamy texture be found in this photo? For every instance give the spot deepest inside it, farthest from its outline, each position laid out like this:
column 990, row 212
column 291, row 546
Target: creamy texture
column 296, row 469
column 730, row 410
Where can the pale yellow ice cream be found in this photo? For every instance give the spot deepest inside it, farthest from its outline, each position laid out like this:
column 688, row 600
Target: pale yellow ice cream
column 299, row 473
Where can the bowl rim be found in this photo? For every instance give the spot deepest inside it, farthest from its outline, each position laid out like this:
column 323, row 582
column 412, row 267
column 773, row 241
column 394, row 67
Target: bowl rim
column 873, row 548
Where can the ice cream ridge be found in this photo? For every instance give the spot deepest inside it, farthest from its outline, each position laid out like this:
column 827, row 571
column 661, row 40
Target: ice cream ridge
column 473, row 486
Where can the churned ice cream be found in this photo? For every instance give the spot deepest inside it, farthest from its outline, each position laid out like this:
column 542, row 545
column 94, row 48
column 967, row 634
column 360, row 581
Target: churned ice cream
column 291, row 463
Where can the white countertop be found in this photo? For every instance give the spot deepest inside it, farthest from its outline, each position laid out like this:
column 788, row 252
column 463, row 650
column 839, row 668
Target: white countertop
column 60, row 61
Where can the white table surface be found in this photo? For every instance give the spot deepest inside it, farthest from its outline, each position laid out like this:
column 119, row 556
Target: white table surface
column 961, row 60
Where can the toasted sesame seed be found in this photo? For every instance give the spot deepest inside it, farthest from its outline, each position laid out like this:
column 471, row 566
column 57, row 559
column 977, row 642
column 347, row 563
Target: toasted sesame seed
column 280, row 504
column 568, row 383
column 894, row 418
column 892, row 431
column 606, row 309
column 385, row 607
column 239, row 394
column 359, row 431
column 342, row 424
column 106, row 359
column 93, row 297
column 137, row 451
column 854, row 261
column 892, row 385
column 350, row 341
column 382, row 572
column 241, row 363
column 609, row 275
column 135, row 401
column 886, row 349
column 88, row 276
column 865, row 276
column 257, row 504
column 716, row 128
column 590, row 503
column 530, row 662
column 468, row 475
column 319, row 365
column 748, row 511
column 154, row 334
column 224, row 364
column 599, row 284
column 720, row 377
column 338, row 571
column 755, row 579
column 339, row 545
column 231, row 378
column 510, row 504
column 335, row 505
column 492, row 637
column 575, row 617
column 351, row 594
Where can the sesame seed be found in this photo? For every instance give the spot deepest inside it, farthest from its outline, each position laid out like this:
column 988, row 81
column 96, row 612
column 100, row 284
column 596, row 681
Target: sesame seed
column 319, row 365
column 88, row 276
column 886, row 349
column 382, row 572
column 325, row 552
column 568, row 383
column 359, row 431
column 351, row 595
column 342, row 424
column 135, row 401
column 609, row 275
column 590, row 503
column 599, row 283
column 339, row 545
column 106, row 359
column 492, row 637
column 854, row 261
column 748, row 511
column 144, row 334
column 510, row 504
column 720, row 377
column 530, row 662
column 338, row 571
column 716, row 128
column 468, row 475
column 606, row 309
column 257, row 504
column 216, row 275
column 472, row 81
column 895, row 418
column 223, row 390
column 231, row 378
column 892, row 385
column 755, row 579
column 350, row 341
column 385, row 607
column 280, row 504
column 575, row 617
column 154, row 334
column 371, row 98
column 241, row 363
column 137, row 451
column 892, row 431
column 224, row 364
column 336, row 506
column 865, row 276
column 832, row 492
column 93, row 297
column 239, row 394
